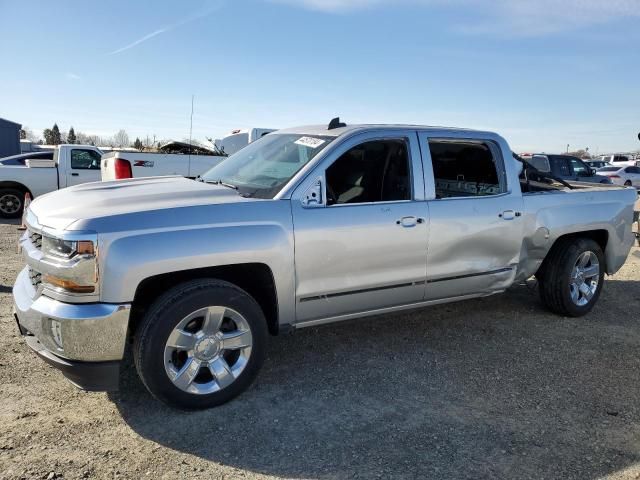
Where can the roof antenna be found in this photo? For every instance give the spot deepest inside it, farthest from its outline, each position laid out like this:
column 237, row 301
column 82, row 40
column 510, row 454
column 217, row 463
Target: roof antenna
column 336, row 123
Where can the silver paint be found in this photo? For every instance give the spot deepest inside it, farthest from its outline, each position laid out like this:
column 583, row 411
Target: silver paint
column 336, row 262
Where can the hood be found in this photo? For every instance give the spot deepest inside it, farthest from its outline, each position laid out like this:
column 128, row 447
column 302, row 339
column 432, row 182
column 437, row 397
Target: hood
column 60, row 209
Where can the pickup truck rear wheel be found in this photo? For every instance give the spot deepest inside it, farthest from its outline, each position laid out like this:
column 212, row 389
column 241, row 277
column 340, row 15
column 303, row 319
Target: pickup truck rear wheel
column 11, row 203
column 572, row 276
column 201, row 344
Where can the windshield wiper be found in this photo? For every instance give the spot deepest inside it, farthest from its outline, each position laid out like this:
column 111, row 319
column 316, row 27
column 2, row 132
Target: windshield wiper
column 220, row 182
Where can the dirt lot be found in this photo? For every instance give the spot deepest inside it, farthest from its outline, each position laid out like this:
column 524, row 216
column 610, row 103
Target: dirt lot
column 493, row 388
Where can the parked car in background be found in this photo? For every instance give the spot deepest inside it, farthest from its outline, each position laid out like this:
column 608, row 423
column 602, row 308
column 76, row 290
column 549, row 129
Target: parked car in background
column 627, row 176
column 21, row 158
column 305, row 226
column 596, row 164
column 617, row 159
column 70, row 165
column 567, row 167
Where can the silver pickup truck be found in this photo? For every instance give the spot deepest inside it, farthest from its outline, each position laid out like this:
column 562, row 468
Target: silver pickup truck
column 303, row 227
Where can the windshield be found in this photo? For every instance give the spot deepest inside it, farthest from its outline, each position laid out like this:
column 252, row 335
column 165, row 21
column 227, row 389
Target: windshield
column 262, row 168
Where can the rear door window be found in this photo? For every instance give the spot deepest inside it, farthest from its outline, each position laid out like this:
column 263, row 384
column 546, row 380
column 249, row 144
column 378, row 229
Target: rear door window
column 467, row 168
column 560, row 166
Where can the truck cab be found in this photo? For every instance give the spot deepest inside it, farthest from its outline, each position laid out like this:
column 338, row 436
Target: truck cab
column 71, row 165
column 240, row 138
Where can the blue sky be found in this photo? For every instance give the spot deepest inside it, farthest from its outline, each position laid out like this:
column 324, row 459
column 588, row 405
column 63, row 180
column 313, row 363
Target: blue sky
column 543, row 73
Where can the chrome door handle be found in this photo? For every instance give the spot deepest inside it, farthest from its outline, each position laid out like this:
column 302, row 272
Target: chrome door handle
column 408, row 222
column 509, row 215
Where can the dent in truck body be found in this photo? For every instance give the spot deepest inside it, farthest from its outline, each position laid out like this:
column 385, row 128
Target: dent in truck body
column 549, row 217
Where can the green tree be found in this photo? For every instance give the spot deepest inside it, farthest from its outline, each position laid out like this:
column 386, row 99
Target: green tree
column 138, row 144
column 71, row 136
column 55, row 135
column 48, row 136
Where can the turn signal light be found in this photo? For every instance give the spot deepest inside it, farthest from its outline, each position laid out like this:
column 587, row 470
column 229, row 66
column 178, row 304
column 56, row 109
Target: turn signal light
column 67, row 285
column 84, row 247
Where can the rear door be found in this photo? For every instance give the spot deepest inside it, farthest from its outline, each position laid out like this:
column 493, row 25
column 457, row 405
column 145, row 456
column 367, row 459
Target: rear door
column 84, row 166
column 475, row 216
column 560, row 167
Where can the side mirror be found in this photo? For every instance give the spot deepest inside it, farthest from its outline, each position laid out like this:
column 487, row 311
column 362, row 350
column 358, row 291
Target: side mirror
column 312, row 198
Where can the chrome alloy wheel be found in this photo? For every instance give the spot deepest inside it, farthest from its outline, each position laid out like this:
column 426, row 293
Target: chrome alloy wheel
column 208, row 350
column 10, row 204
column 584, row 278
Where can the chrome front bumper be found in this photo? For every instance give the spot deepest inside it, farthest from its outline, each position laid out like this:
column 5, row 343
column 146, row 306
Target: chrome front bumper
column 89, row 332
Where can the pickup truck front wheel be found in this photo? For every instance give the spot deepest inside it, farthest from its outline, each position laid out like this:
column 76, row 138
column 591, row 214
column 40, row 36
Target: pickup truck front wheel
column 11, row 203
column 572, row 276
column 201, row 344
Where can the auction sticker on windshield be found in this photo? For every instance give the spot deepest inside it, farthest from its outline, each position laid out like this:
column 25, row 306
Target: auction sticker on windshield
column 309, row 142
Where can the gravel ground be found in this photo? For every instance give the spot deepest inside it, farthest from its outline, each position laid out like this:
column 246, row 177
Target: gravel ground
column 490, row 388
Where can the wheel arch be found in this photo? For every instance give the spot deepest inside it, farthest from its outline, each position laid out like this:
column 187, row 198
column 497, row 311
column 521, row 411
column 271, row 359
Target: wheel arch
column 600, row 236
column 255, row 278
column 16, row 185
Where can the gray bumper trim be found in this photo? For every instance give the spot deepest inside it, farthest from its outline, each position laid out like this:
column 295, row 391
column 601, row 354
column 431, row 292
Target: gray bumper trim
column 91, row 376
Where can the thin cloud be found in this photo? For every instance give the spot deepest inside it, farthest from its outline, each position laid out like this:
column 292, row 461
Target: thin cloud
column 72, row 76
column 139, row 41
column 168, row 28
column 525, row 17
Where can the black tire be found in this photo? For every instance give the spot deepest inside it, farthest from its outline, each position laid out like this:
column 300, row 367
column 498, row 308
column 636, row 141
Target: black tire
column 627, row 183
column 8, row 197
column 554, row 277
column 162, row 317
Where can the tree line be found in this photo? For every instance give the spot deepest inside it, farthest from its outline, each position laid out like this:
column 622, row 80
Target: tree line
column 53, row 136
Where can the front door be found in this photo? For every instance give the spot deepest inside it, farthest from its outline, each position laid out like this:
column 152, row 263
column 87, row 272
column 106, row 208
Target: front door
column 363, row 246
column 475, row 217
column 84, row 167
column 581, row 172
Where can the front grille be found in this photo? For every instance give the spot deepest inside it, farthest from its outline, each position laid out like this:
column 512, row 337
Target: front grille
column 36, row 239
column 35, row 277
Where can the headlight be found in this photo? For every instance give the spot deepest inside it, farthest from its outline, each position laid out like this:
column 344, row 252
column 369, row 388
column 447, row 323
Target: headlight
column 66, row 248
column 71, row 265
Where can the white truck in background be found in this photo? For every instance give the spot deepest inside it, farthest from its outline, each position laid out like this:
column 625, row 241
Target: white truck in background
column 240, row 138
column 118, row 165
column 71, row 165
column 191, row 162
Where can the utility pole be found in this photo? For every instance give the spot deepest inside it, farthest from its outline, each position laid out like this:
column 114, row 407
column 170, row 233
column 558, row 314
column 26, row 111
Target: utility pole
column 567, row 148
column 191, row 132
